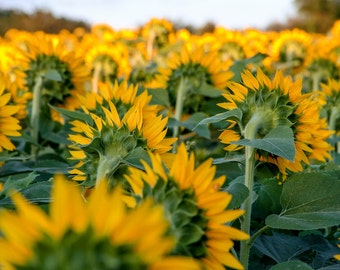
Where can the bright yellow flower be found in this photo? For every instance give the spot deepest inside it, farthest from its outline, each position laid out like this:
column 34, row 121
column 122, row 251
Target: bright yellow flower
column 121, row 122
column 330, row 100
column 194, row 205
column 280, row 103
column 108, row 61
column 45, row 52
column 9, row 124
column 290, row 49
column 86, row 235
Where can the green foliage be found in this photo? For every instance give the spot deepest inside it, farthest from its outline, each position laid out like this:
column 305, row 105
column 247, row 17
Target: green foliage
column 279, row 141
column 309, row 201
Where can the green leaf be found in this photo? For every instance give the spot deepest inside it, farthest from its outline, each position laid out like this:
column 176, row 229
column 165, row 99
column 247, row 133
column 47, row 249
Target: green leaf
column 239, row 192
column 159, row 97
column 192, row 122
column 283, row 247
column 297, row 265
column 239, row 66
column 18, row 181
column 279, row 141
column 134, row 158
column 208, row 90
column 309, row 201
column 268, row 200
column 53, row 75
column 75, row 115
column 235, row 113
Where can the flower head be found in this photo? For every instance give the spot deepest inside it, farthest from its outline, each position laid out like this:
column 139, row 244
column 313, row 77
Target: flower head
column 277, row 102
column 46, row 53
column 198, row 68
column 76, row 234
column 116, row 126
column 194, row 206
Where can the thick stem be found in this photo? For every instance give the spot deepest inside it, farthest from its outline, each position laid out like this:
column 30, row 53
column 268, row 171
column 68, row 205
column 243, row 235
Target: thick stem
column 35, row 117
column 316, row 78
column 249, row 133
column 181, row 92
column 106, row 167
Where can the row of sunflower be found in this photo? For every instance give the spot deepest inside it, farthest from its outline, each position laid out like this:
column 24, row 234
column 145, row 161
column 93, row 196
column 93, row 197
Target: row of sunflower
column 154, row 148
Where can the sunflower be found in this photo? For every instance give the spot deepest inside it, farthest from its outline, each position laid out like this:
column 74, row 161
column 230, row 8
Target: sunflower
column 46, row 53
column 194, row 206
column 322, row 62
column 198, row 69
column 232, row 45
column 75, row 235
column 112, row 132
column 330, row 100
column 156, row 33
column 107, row 61
column 277, row 103
column 289, row 50
column 9, row 124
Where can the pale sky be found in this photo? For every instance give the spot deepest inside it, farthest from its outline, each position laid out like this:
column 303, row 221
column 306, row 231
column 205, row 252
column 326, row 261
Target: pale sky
column 234, row 14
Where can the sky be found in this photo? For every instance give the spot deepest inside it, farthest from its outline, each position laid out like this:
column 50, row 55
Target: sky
column 122, row 14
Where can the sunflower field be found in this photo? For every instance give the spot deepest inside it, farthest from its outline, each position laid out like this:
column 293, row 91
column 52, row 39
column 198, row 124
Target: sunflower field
column 155, row 148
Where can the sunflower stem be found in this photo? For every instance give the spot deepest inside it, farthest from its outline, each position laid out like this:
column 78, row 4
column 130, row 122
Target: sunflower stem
column 106, row 167
column 149, row 45
column 95, row 79
column 316, row 78
column 35, row 116
column 181, row 92
column 249, row 133
column 335, row 114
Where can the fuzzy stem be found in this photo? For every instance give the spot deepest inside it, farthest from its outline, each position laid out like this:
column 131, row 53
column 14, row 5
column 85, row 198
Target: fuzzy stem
column 106, row 167
column 181, row 92
column 255, row 235
column 249, row 133
column 35, row 117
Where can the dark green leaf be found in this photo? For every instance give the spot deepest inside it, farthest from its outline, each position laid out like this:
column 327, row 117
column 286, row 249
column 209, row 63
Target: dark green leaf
column 134, row 158
column 192, row 122
column 35, row 193
column 235, row 113
column 239, row 192
column 286, row 247
column 309, row 201
column 208, row 90
column 268, row 201
column 297, row 265
column 279, row 141
column 240, row 65
column 159, row 97
column 75, row 115
column 18, row 181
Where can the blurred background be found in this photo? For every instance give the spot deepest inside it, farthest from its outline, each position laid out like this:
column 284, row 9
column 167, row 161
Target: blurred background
column 197, row 16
